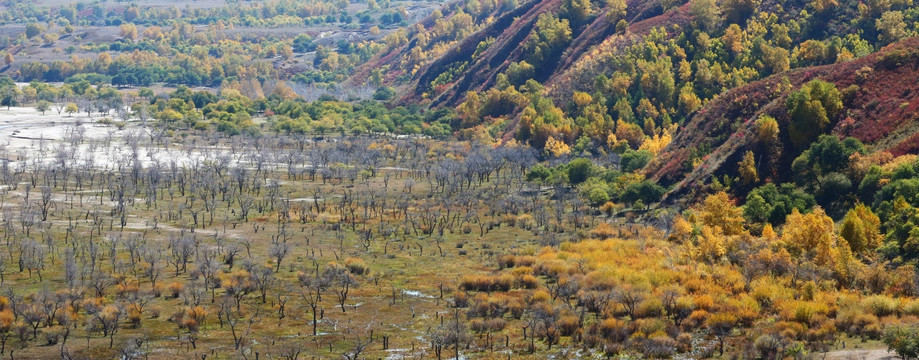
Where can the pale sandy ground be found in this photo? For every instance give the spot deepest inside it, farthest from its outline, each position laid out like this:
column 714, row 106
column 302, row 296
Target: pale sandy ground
column 29, row 126
column 26, row 133
column 859, row 354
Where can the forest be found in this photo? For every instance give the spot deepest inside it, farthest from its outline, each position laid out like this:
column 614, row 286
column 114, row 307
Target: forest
column 370, row 179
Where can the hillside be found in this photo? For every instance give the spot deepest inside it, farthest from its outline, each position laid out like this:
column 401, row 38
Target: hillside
column 648, row 63
column 674, row 89
column 880, row 111
column 505, row 38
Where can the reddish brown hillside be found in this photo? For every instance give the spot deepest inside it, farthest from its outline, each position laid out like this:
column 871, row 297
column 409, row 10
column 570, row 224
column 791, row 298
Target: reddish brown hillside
column 585, row 59
column 644, row 16
column 883, row 113
column 510, row 31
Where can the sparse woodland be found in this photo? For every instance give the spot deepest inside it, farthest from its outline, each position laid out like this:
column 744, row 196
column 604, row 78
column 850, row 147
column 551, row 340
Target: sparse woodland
column 255, row 245
column 484, row 179
column 358, row 246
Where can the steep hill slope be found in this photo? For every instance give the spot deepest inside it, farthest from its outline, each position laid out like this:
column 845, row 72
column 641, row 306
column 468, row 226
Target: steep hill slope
column 675, row 89
column 503, row 41
column 881, row 110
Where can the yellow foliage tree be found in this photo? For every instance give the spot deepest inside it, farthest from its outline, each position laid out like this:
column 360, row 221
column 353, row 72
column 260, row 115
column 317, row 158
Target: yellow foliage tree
column 681, row 230
column 685, row 70
column 469, row 109
column 611, row 140
column 656, row 143
column 629, row 132
column 284, row 91
column 861, row 229
column 719, row 210
column 846, row 266
column 6, row 324
column 733, row 39
column 557, row 148
column 711, row 244
column 128, row 31
column 811, row 237
column 767, row 130
column 689, row 101
column 824, row 5
column 769, row 233
column 747, row 169
column 581, row 99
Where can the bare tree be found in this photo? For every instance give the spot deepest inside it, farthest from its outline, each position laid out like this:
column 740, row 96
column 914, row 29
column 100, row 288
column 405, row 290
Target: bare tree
column 100, row 281
column 45, row 204
column 154, row 265
column 263, row 279
column 359, row 345
column 181, row 250
column 340, row 281
column 451, row 333
column 278, row 251
column 236, row 321
column 194, row 292
column 107, row 320
column 288, row 350
column 629, row 297
column 311, row 287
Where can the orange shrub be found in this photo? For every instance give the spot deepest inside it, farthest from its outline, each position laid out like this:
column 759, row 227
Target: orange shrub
column 460, row 299
column 651, row 307
column 486, row 283
column 505, row 261
column 475, row 283
column 516, row 307
column 615, row 330
column 526, row 260
column 568, row 325
column 790, row 329
column 856, row 322
column 604, row 231
column 157, row 290
column 522, row 270
column 6, row 319
column 503, row 282
column 703, row 302
column 496, row 325
column 175, row 289
column 697, row 318
column 529, row 282
column 125, row 289
column 746, row 308
column 487, row 325
column 357, row 266
column 134, row 315
column 540, row 296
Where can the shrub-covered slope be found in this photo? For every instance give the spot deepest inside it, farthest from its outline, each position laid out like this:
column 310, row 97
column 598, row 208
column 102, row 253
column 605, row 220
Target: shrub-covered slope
column 652, row 63
column 879, row 97
column 473, row 63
